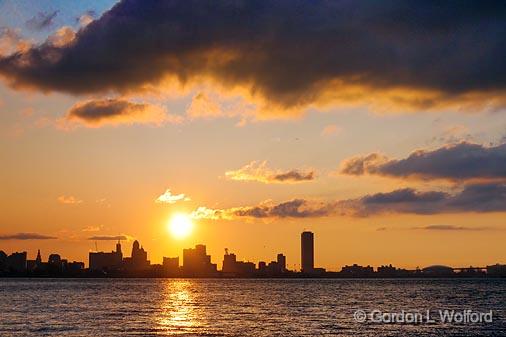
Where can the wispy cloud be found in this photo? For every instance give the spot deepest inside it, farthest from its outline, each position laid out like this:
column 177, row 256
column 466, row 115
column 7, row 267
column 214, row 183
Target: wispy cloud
column 297, row 208
column 205, row 106
column 26, row 236
column 479, row 198
column 110, row 237
column 92, row 228
column 168, row 198
column 451, row 228
column 69, row 200
column 259, row 171
column 331, row 130
column 42, row 20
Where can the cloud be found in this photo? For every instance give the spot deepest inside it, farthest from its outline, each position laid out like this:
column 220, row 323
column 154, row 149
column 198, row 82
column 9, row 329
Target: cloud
column 296, row 208
column 86, row 18
column 26, row 236
column 258, row 171
column 109, row 237
column 42, row 20
column 202, row 106
column 63, row 36
column 12, row 42
column 331, row 130
column 285, row 54
column 92, row 228
column 453, row 135
column 473, row 198
column 205, row 106
column 97, row 113
column 69, row 200
column 458, row 162
column 450, row 228
column 168, row 198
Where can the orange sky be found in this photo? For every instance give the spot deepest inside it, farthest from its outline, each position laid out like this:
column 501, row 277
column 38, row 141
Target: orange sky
column 77, row 164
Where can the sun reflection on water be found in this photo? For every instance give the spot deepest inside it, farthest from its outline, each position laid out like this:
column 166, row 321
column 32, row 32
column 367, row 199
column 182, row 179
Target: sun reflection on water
column 178, row 311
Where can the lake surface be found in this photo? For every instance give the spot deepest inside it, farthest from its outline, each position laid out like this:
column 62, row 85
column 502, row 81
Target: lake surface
column 246, row 307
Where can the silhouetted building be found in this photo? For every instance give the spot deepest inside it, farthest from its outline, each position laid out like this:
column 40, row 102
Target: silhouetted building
column 262, row 266
column 307, row 252
column 281, row 262
column 170, row 266
column 273, row 268
column 36, row 266
column 38, row 260
column 106, row 261
column 54, row 259
column 196, row 262
column 138, row 260
column 56, row 264
column 357, row 271
column 75, row 266
column 16, row 262
column 497, row 270
column 3, row 261
column 233, row 267
column 438, row 271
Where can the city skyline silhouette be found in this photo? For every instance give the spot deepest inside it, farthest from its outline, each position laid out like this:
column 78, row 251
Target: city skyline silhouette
column 252, row 168
column 197, row 263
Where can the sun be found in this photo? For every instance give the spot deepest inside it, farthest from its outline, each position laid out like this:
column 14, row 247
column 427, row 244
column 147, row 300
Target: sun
column 180, row 226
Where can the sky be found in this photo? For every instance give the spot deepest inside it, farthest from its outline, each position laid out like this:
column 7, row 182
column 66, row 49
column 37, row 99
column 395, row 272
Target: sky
column 379, row 126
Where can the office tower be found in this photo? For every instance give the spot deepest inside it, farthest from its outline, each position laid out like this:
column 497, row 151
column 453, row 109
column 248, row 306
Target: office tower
column 307, row 252
column 16, row 262
column 138, row 260
column 196, row 262
column 232, row 266
column 281, row 262
column 106, row 261
column 170, row 266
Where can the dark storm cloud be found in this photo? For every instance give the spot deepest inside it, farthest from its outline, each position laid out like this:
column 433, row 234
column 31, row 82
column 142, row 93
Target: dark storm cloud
column 456, row 162
column 26, row 236
column 473, row 198
column 42, row 20
column 108, row 238
column 290, row 52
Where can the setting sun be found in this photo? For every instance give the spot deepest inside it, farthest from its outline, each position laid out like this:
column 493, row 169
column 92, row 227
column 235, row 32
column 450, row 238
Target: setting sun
column 180, row 226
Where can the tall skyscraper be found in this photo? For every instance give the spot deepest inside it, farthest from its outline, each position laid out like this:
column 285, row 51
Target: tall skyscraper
column 307, row 252
column 281, row 262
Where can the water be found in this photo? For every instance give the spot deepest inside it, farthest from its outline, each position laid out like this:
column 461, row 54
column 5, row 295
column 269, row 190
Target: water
column 245, row 307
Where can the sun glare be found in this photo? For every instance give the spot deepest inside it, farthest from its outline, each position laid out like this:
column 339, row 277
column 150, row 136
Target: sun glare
column 180, row 226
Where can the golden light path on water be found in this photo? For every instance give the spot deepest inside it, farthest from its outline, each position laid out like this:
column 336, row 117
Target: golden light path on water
column 241, row 307
column 178, row 312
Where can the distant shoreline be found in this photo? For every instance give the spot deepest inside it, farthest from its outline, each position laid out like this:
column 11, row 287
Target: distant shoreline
column 225, row 277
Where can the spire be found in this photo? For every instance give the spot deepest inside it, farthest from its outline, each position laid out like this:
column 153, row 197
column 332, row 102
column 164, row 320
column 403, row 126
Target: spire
column 135, row 248
column 38, row 260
